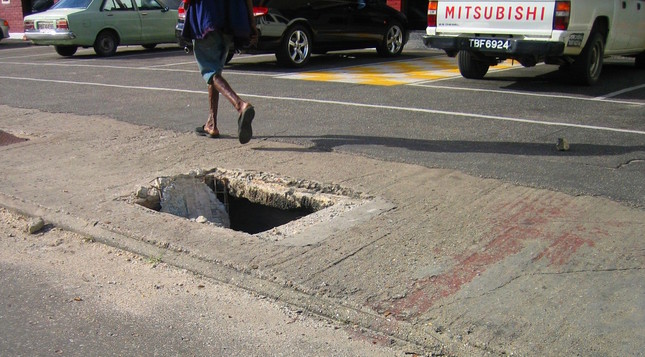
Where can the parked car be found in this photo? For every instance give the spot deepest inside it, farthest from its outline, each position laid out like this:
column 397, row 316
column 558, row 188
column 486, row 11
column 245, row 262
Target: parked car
column 4, row 29
column 295, row 29
column 103, row 25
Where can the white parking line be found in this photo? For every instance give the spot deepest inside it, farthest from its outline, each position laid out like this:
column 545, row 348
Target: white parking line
column 623, row 91
column 351, row 104
column 147, row 68
column 558, row 96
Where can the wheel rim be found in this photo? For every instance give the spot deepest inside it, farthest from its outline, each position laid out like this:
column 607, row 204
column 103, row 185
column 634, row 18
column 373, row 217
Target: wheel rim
column 394, row 39
column 106, row 44
column 596, row 58
column 298, row 47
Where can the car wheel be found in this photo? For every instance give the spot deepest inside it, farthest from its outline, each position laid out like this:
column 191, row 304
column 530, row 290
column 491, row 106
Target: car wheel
column 149, row 46
column 105, row 44
column 588, row 65
column 640, row 61
column 66, row 51
column 470, row 67
column 295, row 47
column 392, row 43
column 229, row 56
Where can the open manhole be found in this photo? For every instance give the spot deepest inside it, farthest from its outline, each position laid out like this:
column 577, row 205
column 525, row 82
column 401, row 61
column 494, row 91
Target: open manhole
column 253, row 202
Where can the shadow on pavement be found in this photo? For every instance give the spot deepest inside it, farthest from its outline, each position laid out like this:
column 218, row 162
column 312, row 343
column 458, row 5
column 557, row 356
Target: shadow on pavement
column 327, row 143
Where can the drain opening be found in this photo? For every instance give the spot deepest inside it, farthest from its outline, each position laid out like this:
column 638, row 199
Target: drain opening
column 243, row 201
column 251, row 217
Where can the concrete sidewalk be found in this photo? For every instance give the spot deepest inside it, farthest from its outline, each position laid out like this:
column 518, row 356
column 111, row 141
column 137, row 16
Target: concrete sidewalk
column 454, row 264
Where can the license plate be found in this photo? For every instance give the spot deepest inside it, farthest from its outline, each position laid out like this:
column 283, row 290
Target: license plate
column 45, row 25
column 490, row 44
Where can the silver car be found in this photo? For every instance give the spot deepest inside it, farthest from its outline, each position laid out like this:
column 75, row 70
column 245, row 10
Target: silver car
column 4, row 29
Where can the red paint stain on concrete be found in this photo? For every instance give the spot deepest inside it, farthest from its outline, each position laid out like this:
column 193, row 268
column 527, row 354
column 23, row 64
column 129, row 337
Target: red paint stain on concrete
column 526, row 220
column 563, row 248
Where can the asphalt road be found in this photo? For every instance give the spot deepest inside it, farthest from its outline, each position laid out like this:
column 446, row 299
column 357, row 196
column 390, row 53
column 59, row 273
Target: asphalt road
column 414, row 109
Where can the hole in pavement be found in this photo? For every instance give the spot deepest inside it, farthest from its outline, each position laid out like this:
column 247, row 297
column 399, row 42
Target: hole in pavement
column 251, row 202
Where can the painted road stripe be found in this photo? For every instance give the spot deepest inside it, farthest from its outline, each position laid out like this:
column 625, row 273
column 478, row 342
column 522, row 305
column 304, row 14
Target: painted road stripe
column 426, row 78
column 391, row 73
column 349, row 104
column 604, row 99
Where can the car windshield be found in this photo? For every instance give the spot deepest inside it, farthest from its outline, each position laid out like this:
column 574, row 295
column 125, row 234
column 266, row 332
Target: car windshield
column 72, row 4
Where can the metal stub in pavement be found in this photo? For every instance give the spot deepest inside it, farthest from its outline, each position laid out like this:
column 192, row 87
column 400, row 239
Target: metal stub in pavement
column 562, row 144
column 8, row 139
column 286, row 210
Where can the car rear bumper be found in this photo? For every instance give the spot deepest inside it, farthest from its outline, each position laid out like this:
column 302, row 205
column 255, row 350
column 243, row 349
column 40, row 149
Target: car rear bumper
column 517, row 48
column 49, row 36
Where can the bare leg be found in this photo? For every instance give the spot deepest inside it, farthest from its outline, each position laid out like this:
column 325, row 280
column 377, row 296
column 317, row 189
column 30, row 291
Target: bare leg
column 225, row 89
column 246, row 110
column 211, row 124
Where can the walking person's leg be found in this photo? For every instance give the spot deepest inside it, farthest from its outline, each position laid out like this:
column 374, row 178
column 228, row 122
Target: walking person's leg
column 210, row 128
column 246, row 110
column 210, row 54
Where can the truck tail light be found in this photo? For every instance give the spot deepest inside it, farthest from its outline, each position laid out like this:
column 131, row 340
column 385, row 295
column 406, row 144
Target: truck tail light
column 432, row 13
column 562, row 14
column 181, row 13
column 260, row 11
column 29, row 25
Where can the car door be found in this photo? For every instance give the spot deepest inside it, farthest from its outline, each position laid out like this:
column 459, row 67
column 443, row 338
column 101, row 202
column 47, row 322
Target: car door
column 121, row 16
column 637, row 38
column 367, row 21
column 157, row 22
column 329, row 18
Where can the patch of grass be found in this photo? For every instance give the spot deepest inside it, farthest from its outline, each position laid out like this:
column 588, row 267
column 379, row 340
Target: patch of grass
column 154, row 260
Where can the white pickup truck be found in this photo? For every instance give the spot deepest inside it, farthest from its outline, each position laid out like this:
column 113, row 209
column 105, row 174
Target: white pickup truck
column 575, row 34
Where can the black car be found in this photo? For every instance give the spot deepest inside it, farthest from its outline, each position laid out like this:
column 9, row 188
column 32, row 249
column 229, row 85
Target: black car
column 295, row 29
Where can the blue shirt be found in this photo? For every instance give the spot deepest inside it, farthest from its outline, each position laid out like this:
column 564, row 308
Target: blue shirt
column 228, row 16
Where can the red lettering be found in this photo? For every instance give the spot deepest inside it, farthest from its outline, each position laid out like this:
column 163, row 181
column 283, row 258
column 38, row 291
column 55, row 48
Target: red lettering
column 500, row 13
column 450, row 12
column 488, row 15
column 531, row 12
column 510, row 12
column 519, row 12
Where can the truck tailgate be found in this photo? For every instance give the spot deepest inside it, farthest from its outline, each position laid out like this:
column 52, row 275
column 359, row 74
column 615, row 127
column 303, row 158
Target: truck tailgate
column 528, row 18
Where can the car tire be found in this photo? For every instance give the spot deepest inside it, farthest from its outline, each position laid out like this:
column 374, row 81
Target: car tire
column 229, row 56
column 105, row 44
column 470, row 67
column 640, row 61
column 392, row 43
column 149, row 46
column 295, row 47
column 588, row 65
column 66, row 51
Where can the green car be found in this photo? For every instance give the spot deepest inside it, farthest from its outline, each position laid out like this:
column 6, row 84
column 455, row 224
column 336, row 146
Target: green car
column 103, row 25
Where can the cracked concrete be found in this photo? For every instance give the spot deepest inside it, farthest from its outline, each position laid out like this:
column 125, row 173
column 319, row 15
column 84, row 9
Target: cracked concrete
column 455, row 264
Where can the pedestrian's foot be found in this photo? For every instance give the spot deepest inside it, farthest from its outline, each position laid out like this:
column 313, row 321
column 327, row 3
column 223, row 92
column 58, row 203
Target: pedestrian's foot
column 202, row 131
column 244, row 129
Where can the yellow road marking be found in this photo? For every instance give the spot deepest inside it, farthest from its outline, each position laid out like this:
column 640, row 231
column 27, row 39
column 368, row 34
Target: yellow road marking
column 392, row 73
